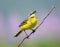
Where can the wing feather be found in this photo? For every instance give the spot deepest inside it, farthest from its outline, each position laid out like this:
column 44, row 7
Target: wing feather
column 23, row 23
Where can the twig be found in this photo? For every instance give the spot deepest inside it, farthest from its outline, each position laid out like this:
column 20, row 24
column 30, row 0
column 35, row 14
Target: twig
column 36, row 27
column 45, row 18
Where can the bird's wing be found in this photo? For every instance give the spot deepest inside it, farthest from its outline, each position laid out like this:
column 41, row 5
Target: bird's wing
column 24, row 22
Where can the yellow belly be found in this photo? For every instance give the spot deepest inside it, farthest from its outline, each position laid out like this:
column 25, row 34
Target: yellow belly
column 31, row 23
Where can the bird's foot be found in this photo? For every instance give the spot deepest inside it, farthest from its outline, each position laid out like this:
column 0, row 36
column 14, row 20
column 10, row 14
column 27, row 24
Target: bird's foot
column 33, row 31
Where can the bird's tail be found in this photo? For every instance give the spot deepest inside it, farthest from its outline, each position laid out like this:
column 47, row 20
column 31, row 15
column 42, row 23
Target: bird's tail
column 18, row 34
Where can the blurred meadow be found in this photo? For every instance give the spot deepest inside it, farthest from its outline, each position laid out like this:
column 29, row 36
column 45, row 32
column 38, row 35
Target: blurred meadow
column 13, row 12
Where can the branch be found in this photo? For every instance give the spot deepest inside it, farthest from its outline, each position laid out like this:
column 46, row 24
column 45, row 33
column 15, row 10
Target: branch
column 36, row 27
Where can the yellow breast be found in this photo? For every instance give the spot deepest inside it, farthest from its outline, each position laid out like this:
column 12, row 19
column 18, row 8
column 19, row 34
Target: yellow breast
column 30, row 23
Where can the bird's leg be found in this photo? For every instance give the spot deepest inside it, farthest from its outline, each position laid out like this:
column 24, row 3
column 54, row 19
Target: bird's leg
column 26, row 34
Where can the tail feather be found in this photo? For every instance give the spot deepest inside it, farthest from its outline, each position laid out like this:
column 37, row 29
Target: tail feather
column 17, row 34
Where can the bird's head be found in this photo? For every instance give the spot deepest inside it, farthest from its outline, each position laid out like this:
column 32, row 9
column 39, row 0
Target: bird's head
column 33, row 12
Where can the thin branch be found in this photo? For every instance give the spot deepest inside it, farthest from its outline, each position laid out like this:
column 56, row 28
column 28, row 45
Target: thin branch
column 45, row 18
column 36, row 27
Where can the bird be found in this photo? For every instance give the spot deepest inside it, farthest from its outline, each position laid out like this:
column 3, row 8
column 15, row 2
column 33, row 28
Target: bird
column 28, row 24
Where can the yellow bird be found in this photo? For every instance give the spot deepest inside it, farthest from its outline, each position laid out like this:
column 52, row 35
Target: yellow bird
column 28, row 24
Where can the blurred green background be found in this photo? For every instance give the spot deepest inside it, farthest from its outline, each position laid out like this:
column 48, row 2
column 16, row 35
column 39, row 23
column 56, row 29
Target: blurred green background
column 13, row 12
